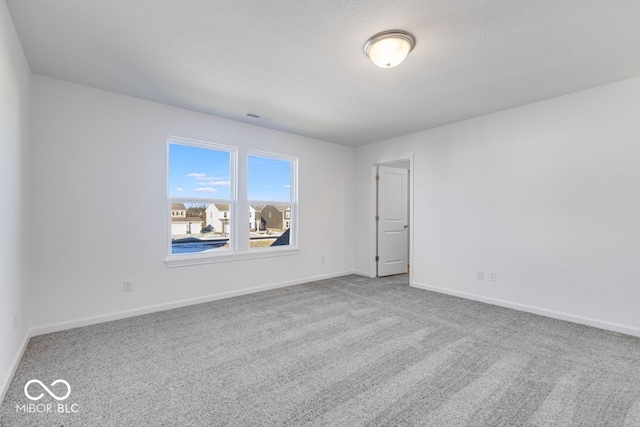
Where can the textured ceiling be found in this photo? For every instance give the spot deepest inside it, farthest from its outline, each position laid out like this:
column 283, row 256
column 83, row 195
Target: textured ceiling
column 300, row 64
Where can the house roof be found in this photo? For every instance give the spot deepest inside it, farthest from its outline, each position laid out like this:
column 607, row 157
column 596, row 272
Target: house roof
column 283, row 208
column 178, row 207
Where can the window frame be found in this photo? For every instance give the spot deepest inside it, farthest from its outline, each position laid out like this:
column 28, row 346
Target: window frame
column 239, row 180
column 293, row 203
column 232, row 201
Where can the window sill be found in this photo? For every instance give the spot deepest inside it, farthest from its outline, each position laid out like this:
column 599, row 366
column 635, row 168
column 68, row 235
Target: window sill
column 209, row 258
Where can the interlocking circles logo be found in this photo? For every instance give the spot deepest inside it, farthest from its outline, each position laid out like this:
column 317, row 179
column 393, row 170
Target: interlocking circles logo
column 45, row 388
column 39, row 408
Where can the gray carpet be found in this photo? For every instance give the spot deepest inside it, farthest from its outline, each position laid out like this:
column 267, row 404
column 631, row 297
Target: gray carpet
column 342, row 352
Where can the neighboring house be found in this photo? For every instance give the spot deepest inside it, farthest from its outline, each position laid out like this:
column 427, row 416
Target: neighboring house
column 188, row 225
column 287, row 217
column 253, row 224
column 275, row 218
column 217, row 216
column 181, row 224
column 178, row 210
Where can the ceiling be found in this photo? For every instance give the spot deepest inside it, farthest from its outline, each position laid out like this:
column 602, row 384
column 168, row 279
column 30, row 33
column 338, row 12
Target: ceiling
column 300, row 64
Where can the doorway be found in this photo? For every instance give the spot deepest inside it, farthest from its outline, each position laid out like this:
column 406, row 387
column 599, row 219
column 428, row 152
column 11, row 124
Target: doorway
column 392, row 218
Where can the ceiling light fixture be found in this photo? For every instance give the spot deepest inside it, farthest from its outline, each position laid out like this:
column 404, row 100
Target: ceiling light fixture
column 389, row 48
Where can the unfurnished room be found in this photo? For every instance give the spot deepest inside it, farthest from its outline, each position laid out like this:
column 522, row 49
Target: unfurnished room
column 327, row 213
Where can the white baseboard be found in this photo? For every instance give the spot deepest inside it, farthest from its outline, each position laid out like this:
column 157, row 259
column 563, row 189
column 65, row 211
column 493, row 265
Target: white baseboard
column 86, row 321
column 615, row 327
column 61, row 326
column 6, row 382
column 362, row 273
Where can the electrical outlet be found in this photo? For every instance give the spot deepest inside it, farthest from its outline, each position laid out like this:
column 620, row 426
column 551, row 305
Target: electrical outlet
column 127, row 286
column 15, row 321
column 492, row 276
column 323, row 259
column 480, row 275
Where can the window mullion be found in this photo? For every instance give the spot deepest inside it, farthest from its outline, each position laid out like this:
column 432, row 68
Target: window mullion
column 242, row 207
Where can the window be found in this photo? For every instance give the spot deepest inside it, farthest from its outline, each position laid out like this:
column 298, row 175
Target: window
column 205, row 215
column 200, row 193
column 271, row 193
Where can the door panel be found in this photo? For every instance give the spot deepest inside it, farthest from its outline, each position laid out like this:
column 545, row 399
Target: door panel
column 394, row 243
column 393, row 219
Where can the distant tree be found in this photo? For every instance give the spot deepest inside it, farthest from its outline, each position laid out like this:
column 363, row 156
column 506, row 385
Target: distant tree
column 196, row 211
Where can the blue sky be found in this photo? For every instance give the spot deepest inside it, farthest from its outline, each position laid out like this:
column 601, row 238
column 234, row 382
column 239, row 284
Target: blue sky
column 269, row 179
column 199, row 173
column 202, row 173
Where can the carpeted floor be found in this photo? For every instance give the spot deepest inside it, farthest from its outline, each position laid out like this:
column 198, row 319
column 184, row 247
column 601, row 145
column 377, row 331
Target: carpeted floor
column 348, row 351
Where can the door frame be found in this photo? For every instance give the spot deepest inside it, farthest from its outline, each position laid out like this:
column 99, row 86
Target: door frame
column 373, row 246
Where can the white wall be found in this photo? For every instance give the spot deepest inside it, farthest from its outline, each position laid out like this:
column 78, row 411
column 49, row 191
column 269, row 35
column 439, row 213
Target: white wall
column 547, row 195
column 102, row 156
column 14, row 125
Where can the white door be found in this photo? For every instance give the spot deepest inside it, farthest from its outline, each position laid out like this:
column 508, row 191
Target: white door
column 393, row 221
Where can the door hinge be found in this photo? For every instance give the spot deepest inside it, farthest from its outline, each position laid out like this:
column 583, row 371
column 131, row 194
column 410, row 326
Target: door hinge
column 377, row 217
column 377, row 258
column 377, row 177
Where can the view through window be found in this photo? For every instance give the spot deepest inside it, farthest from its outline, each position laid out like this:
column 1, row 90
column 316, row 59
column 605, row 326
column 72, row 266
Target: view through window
column 271, row 201
column 200, row 197
column 202, row 209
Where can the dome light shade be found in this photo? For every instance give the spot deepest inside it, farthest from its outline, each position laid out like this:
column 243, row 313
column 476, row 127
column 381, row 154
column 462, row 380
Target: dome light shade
column 389, row 48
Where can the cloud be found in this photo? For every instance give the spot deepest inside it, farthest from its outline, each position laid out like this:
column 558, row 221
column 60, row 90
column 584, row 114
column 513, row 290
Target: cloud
column 179, row 189
column 286, row 186
column 206, row 190
column 213, row 180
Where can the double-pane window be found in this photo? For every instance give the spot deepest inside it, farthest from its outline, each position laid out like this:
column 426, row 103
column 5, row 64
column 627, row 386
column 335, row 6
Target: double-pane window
column 201, row 179
column 203, row 206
